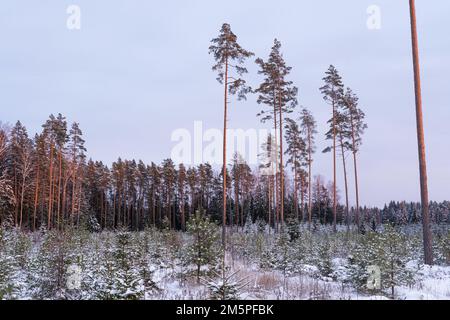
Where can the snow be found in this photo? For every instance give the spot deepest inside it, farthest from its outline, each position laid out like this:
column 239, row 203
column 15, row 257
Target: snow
column 283, row 277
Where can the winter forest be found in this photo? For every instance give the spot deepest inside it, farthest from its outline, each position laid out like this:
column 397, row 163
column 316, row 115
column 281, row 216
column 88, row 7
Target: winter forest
column 73, row 227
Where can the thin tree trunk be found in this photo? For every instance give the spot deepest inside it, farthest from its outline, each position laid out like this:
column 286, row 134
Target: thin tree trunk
column 344, row 166
column 427, row 239
column 356, row 173
column 281, row 162
column 22, row 194
column 50, row 196
column 295, row 193
column 277, row 165
column 36, row 196
column 302, row 196
column 334, row 169
column 58, row 210
column 309, row 180
column 224, row 169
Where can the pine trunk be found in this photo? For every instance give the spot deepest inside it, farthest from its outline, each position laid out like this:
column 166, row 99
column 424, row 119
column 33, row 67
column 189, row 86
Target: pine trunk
column 224, row 169
column 427, row 241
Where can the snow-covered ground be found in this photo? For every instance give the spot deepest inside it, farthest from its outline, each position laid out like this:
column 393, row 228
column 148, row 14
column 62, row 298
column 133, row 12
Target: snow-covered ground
column 431, row 283
column 158, row 265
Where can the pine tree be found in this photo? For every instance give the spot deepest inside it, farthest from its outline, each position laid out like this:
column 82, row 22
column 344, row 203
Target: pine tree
column 332, row 93
column 268, row 162
column 308, row 127
column 388, row 251
column 203, row 250
column 21, row 157
column 169, row 176
column 357, row 125
column 181, row 194
column 128, row 284
column 296, row 150
column 224, row 284
column 279, row 93
column 227, row 51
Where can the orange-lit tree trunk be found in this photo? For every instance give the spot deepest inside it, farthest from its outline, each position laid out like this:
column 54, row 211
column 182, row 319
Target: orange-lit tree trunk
column 334, row 168
column 50, row 194
column 277, row 166
column 355, row 171
column 280, row 126
column 36, row 194
column 58, row 202
column 427, row 241
column 309, row 178
column 224, row 168
column 344, row 166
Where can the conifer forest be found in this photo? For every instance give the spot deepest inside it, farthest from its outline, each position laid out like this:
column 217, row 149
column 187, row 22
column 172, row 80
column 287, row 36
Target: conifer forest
column 297, row 224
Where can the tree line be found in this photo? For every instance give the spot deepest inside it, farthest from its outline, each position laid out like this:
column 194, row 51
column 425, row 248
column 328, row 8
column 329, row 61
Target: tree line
column 48, row 182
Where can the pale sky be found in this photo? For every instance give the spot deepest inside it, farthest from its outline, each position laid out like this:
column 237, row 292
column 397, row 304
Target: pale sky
column 138, row 70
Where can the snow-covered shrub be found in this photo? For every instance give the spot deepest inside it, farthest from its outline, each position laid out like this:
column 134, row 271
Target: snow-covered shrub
column 224, row 284
column 323, row 259
column 47, row 273
column 203, row 249
column 8, row 286
column 386, row 251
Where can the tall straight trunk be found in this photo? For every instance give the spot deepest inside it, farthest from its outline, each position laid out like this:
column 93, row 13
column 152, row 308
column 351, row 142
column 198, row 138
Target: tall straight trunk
column 224, row 169
column 334, row 168
column 22, row 194
column 183, row 218
column 114, row 211
column 64, row 199
column 344, row 166
column 74, row 186
column 302, row 196
column 277, row 165
column 295, row 193
column 427, row 241
column 269, row 199
column 309, row 179
column 16, row 196
column 50, row 195
column 36, row 196
column 236, row 205
column 58, row 210
column 79, row 203
column 153, row 207
column 356, row 173
column 281, row 161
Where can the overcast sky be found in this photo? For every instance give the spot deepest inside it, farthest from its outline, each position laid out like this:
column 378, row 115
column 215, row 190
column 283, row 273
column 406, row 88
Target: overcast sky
column 138, row 70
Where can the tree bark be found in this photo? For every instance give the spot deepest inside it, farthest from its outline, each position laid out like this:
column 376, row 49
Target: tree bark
column 50, row 195
column 427, row 239
column 224, row 169
column 281, row 162
column 309, row 179
column 345, row 181
column 334, row 168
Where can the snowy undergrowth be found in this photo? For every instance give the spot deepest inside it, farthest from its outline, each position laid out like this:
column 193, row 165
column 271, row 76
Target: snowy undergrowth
column 259, row 264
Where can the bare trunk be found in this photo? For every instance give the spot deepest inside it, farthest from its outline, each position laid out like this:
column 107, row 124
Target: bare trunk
column 309, row 180
column 22, row 194
column 334, row 169
column 356, row 173
column 36, row 197
column 50, row 195
column 427, row 241
column 224, row 169
column 277, row 166
column 345, row 181
column 58, row 210
column 281, row 163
